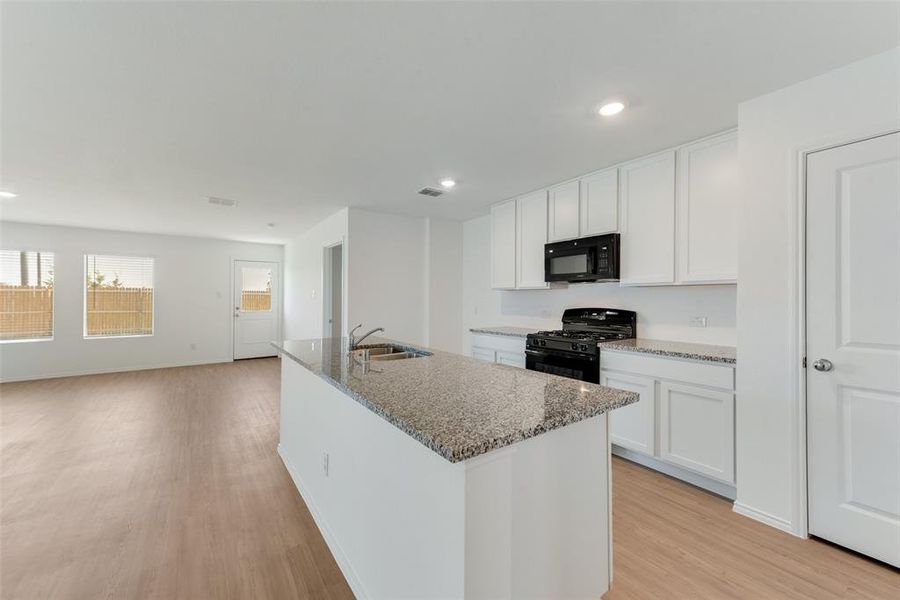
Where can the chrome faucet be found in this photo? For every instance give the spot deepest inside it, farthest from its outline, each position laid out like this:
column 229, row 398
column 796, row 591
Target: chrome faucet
column 354, row 342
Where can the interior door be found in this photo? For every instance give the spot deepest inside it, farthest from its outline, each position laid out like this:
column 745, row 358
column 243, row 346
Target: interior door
column 256, row 308
column 853, row 345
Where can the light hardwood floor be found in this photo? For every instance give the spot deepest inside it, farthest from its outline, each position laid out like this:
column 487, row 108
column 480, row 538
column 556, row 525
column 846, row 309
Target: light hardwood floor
column 166, row 484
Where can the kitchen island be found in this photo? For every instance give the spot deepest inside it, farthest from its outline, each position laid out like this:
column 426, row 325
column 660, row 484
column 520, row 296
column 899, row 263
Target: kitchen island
column 438, row 476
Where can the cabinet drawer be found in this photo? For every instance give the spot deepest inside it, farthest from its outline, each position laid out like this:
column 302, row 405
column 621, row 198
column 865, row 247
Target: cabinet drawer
column 719, row 376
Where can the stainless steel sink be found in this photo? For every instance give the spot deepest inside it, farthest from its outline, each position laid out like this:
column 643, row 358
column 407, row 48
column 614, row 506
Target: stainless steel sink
column 387, row 352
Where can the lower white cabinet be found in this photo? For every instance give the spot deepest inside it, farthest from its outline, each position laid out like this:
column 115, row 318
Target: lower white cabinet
column 633, row 426
column 512, row 359
column 696, row 429
column 683, row 423
column 504, row 350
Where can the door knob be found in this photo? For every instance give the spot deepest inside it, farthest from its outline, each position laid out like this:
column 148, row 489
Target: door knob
column 823, row 364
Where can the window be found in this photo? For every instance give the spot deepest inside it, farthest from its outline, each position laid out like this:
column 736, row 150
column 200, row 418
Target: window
column 26, row 295
column 118, row 296
column 256, row 289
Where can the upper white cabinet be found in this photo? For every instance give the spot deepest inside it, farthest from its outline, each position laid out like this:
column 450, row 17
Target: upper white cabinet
column 503, row 245
column 600, row 202
column 676, row 211
column 531, row 235
column 563, row 212
column 708, row 187
column 647, row 199
column 518, row 235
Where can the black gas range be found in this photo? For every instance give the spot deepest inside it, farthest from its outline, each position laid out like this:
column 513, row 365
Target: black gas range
column 572, row 351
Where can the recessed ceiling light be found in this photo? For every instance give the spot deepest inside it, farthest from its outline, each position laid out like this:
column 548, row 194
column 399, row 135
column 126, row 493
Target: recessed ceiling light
column 447, row 183
column 7, row 195
column 611, row 108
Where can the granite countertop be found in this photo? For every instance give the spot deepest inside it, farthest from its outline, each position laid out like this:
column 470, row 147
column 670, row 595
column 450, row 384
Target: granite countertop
column 520, row 332
column 704, row 352
column 455, row 405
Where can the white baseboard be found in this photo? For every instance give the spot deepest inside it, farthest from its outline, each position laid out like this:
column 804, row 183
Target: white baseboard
column 764, row 517
column 701, row 481
column 340, row 557
column 116, row 370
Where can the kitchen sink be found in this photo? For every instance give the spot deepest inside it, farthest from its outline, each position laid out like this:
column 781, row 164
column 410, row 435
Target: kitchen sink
column 387, row 352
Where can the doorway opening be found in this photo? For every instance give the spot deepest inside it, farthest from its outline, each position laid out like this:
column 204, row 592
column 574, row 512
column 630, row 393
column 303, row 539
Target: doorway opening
column 333, row 291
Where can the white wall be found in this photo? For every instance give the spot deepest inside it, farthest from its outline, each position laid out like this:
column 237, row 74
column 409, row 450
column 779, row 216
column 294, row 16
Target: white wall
column 192, row 301
column 857, row 100
column 303, row 276
column 401, row 273
column 386, row 277
column 444, row 284
column 663, row 312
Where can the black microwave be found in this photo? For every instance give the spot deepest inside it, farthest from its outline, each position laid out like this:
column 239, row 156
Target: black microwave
column 587, row 259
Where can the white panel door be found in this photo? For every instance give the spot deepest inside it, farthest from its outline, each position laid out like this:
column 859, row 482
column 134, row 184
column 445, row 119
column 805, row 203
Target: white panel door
column 256, row 308
column 647, row 200
column 503, row 245
column 853, row 323
column 531, row 235
column 563, row 212
column 633, row 426
column 696, row 429
column 600, row 202
column 707, row 210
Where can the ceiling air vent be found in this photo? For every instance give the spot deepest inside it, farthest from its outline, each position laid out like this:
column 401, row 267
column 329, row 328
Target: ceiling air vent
column 222, row 201
column 430, row 191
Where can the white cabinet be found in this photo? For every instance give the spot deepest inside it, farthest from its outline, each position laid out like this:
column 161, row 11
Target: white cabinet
column 563, row 212
column 531, row 235
column 683, row 424
column 708, row 188
column 510, row 358
column 676, row 211
column 484, row 354
column 503, row 245
column 633, row 426
column 647, row 199
column 500, row 349
column 599, row 209
column 696, row 429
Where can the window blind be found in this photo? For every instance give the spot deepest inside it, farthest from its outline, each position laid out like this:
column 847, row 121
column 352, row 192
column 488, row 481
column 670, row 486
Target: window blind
column 26, row 295
column 118, row 296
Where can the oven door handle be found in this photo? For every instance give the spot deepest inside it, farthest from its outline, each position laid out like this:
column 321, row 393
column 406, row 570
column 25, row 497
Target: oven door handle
column 564, row 353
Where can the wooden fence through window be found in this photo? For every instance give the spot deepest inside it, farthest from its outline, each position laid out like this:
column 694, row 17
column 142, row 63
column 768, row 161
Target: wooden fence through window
column 256, row 300
column 26, row 312
column 119, row 311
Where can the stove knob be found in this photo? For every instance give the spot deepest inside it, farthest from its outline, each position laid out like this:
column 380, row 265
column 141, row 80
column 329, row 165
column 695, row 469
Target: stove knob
column 584, row 347
column 543, row 342
column 574, row 346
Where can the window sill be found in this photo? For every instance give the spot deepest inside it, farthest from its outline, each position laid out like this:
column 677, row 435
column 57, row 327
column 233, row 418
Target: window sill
column 25, row 340
column 117, row 337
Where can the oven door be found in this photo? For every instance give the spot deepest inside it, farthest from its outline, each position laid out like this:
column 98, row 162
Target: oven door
column 564, row 364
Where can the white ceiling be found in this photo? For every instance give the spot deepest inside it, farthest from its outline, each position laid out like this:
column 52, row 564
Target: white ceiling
column 128, row 115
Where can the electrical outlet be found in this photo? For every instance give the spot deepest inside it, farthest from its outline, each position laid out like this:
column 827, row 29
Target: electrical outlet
column 193, row 346
column 697, row 322
column 325, row 463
